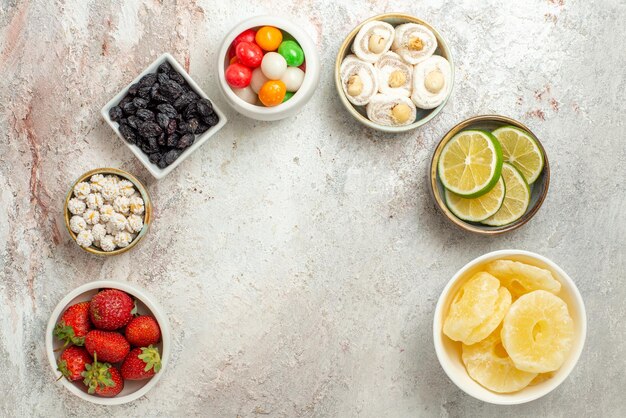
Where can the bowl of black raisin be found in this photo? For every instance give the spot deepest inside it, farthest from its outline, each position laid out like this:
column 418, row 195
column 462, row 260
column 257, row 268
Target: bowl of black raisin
column 163, row 116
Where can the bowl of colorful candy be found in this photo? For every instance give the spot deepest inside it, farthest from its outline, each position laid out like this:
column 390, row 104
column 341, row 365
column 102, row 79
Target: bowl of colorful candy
column 268, row 68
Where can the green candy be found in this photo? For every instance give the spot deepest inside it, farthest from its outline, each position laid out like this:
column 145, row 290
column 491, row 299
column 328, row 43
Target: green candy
column 288, row 96
column 291, row 51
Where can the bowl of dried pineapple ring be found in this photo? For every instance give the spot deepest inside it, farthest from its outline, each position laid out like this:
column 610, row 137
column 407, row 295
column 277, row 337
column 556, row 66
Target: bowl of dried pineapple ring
column 509, row 327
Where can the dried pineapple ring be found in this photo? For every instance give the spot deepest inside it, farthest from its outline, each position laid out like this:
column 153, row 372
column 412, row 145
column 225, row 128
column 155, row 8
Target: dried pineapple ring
column 522, row 278
column 489, row 364
column 483, row 330
column 538, row 332
column 473, row 304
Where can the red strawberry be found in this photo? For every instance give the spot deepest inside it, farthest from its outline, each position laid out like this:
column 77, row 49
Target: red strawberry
column 74, row 324
column 108, row 346
column 72, row 362
column 111, row 309
column 141, row 363
column 102, row 379
column 143, row 331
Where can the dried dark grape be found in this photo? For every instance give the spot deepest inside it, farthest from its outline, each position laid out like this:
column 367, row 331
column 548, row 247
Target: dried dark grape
column 132, row 90
column 148, row 80
column 172, row 155
column 140, row 103
column 162, row 78
column 186, row 141
column 150, row 146
column 154, row 89
column 115, row 113
column 164, row 68
column 128, row 133
column 168, row 110
column 171, row 126
column 170, row 90
column 129, row 108
column 212, row 120
column 162, row 140
column 149, row 129
column 145, row 114
column 155, row 157
column 133, row 121
column 184, row 100
column 191, row 111
column 184, row 128
column 162, row 163
column 205, row 108
column 202, row 128
column 172, row 140
column 162, row 120
column 144, row 92
column 193, row 124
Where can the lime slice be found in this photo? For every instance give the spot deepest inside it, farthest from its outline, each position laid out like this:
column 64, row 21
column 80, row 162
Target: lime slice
column 516, row 198
column 470, row 163
column 522, row 150
column 478, row 208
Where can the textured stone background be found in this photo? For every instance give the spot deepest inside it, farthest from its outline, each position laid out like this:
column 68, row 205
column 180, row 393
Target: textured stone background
column 300, row 261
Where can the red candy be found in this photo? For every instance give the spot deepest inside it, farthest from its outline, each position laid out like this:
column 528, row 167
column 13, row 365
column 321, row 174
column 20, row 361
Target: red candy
column 249, row 54
column 245, row 36
column 238, row 75
column 303, row 66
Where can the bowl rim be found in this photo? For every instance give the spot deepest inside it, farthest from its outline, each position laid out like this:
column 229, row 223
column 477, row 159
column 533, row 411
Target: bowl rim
column 434, row 175
column 153, row 169
column 345, row 46
column 503, row 398
column 155, row 310
column 141, row 188
column 311, row 75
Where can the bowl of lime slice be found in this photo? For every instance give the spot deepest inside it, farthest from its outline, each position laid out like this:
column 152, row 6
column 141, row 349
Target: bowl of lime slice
column 489, row 174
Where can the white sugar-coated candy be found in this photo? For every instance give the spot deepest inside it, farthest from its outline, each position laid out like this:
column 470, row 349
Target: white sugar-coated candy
column 273, row 65
column 246, row 94
column 293, row 78
column 258, row 79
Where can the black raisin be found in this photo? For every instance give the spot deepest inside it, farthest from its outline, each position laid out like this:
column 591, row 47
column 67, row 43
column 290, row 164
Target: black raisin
column 184, row 100
column 129, row 108
column 193, row 124
column 170, row 90
column 205, row 108
column 145, row 114
column 178, row 78
column 133, row 121
column 126, row 99
column 148, row 80
column 128, row 133
column 212, row 120
column 115, row 113
column 202, row 128
column 162, row 78
column 186, row 141
column 150, row 146
column 184, row 128
column 149, row 129
column 172, row 140
column 155, row 157
column 171, row 126
column 144, row 92
column 165, row 68
column 162, row 163
column 162, row 120
column 162, row 140
column 191, row 111
column 132, row 90
column 172, row 155
column 140, row 103
column 168, row 110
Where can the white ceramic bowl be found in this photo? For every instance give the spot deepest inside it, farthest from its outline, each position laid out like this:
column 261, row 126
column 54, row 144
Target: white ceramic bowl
column 145, row 305
column 304, row 93
column 449, row 353
column 155, row 170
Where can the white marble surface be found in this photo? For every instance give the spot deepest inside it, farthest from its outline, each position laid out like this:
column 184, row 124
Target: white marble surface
column 300, row 261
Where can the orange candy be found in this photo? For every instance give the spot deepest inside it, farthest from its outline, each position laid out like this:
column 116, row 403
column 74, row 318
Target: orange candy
column 272, row 93
column 268, row 38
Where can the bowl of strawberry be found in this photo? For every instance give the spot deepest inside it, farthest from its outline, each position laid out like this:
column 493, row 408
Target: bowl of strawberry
column 268, row 68
column 108, row 342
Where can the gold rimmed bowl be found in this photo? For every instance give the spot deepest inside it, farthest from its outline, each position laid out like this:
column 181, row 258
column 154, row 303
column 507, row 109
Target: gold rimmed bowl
column 358, row 112
column 539, row 189
column 141, row 189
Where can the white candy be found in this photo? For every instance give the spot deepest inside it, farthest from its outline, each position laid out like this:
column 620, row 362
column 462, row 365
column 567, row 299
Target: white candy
column 97, row 181
column 273, row 65
column 77, row 224
column 110, row 190
column 107, row 243
column 126, row 188
column 91, row 216
column 94, row 200
column 358, row 79
column 257, row 80
column 381, row 110
column 414, row 43
column 135, row 223
column 84, row 238
column 106, row 211
column 121, row 204
column 394, row 75
column 377, row 33
column 122, row 239
column 76, row 206
column 117, row 223
column 428, row 94
column 81, row 190
column 246, row 94
column 98, row 231
column 293, row 78
column 136, row 205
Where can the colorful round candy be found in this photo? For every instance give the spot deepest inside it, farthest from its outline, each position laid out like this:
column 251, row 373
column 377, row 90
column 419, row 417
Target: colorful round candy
column 269, row 38
column 238, row 75
column 257, row 81
column 272, row 93
column 249, row 54
column 288, row 96
column 291, row 51
column 273, row 65
column 247, row 35
column 246, row 94
column 293, row 78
